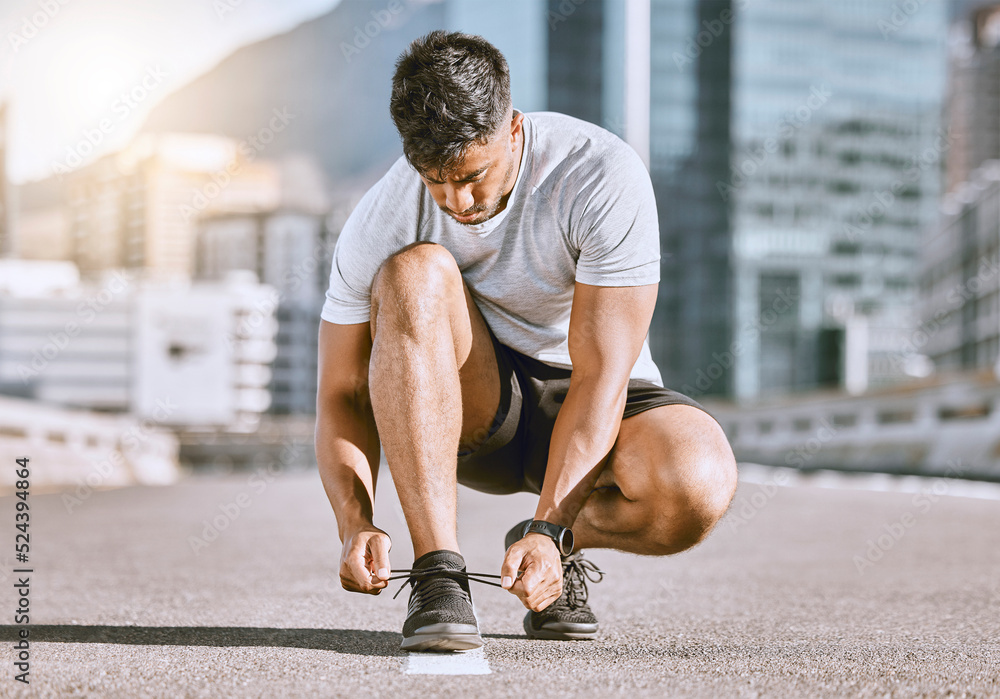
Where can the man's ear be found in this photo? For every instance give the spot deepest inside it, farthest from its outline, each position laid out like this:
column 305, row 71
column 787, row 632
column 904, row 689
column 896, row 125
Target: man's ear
column 515, row 129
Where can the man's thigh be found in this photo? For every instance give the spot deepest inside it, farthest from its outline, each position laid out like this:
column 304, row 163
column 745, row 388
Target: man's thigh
column 424, row 278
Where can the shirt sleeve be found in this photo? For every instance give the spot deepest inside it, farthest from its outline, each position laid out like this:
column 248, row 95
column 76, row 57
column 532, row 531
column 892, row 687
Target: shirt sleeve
column 384, row 221
column 617, row 230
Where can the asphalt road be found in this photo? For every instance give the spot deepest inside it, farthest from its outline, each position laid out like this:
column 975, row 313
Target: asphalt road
column 801, row 591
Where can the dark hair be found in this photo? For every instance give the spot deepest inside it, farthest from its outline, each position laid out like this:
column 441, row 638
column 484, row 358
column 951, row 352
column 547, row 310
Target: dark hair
column 450, row 90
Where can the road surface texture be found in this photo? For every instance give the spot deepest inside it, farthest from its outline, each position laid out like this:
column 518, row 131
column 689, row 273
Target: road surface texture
column 801, row 591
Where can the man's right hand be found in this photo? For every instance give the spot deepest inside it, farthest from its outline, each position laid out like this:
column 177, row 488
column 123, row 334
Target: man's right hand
column 364, row 562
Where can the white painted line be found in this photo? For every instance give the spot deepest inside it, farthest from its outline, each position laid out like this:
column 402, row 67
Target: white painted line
column 468, row 662
column 877, row 482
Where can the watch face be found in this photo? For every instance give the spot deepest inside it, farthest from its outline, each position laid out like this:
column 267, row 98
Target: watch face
column 566, row 542
column 562, row 536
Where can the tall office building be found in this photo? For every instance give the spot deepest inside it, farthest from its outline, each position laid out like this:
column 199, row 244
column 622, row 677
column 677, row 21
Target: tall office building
column 961, row 281
column 577, row 58
column 835, row 170
column 689, row 139
column 973, row 106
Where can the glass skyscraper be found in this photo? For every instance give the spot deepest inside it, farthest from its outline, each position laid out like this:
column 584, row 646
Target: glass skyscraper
column 835, row 170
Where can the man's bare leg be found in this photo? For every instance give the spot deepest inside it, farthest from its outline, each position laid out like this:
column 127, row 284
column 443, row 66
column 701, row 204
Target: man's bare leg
column 668, row 480
column 434, row 384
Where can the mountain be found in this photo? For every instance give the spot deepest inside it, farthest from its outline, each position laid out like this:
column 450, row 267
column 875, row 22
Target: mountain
column 330, row 76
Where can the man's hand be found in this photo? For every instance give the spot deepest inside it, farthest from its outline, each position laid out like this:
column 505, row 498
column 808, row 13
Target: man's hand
column 541, row 583
column 364, row 562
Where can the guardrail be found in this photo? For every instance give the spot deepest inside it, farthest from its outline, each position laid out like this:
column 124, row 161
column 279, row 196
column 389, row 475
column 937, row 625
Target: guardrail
column 949, row 426
column 81, row 449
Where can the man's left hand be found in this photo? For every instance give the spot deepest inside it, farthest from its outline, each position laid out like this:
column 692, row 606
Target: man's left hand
column 541, row 582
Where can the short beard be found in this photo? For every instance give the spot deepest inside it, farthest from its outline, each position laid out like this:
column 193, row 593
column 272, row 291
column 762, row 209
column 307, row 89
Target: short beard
column 491, row 209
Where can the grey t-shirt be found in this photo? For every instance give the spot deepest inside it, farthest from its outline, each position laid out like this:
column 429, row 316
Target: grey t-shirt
column 582, row 209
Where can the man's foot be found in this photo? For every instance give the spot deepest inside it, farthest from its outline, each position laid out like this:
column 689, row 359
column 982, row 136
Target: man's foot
column 569, row 618
column 440, row 614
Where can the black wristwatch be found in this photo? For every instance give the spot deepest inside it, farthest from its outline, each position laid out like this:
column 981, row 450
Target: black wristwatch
column 563, row 536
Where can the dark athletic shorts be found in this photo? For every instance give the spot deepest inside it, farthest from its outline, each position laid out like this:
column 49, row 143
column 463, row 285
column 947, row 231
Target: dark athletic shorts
column 515, row 452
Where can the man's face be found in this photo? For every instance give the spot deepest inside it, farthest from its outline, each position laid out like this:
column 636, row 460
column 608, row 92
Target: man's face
column 477, row 190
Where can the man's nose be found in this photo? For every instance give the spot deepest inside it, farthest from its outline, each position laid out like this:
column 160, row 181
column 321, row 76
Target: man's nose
column 459, row 198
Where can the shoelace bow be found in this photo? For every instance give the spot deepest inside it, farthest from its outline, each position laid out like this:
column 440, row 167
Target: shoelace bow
column 435, row 575
column 577, row 570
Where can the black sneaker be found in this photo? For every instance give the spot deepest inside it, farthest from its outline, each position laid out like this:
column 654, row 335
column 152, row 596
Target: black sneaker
column 569, row 618
column 440, row 614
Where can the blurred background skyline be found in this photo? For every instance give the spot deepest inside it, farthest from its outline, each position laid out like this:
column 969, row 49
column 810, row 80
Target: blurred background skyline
column 827, row 177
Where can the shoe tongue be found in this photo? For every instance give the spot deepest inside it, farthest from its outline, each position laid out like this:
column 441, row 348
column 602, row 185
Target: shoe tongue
column 448, row 559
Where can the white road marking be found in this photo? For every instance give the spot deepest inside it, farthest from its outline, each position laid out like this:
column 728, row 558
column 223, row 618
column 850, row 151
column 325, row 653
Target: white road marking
column 469, row 662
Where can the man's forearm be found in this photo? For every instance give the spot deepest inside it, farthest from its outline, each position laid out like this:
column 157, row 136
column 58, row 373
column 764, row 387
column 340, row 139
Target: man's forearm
column 585, row 430
column 347, row 453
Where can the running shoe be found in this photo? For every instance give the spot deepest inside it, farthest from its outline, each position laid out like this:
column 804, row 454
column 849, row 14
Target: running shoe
column 569, row 618
column 440, row 615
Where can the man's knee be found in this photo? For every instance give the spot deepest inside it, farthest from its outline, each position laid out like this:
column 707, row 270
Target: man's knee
column 415, row 282
column 694, row 499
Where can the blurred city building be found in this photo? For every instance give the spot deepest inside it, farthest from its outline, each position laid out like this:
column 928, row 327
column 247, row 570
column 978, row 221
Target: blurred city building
column 835, row 171
column 973, row 105
column 960, row 256
column 40, row 226
column 291, row 251
column 137, row 209
column 961, row 279
column 178, row 353
column 6, row 232
column 690, row 142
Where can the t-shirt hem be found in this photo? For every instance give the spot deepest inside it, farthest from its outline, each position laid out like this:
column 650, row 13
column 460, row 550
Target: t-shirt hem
column 617, row 280
column 344, row 318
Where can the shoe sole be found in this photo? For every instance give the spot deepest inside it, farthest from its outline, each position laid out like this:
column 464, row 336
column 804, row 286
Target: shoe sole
column 560, row 631
column 440, row 637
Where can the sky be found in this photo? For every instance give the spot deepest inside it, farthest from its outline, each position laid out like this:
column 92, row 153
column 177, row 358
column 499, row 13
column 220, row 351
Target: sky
column 79, row 76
